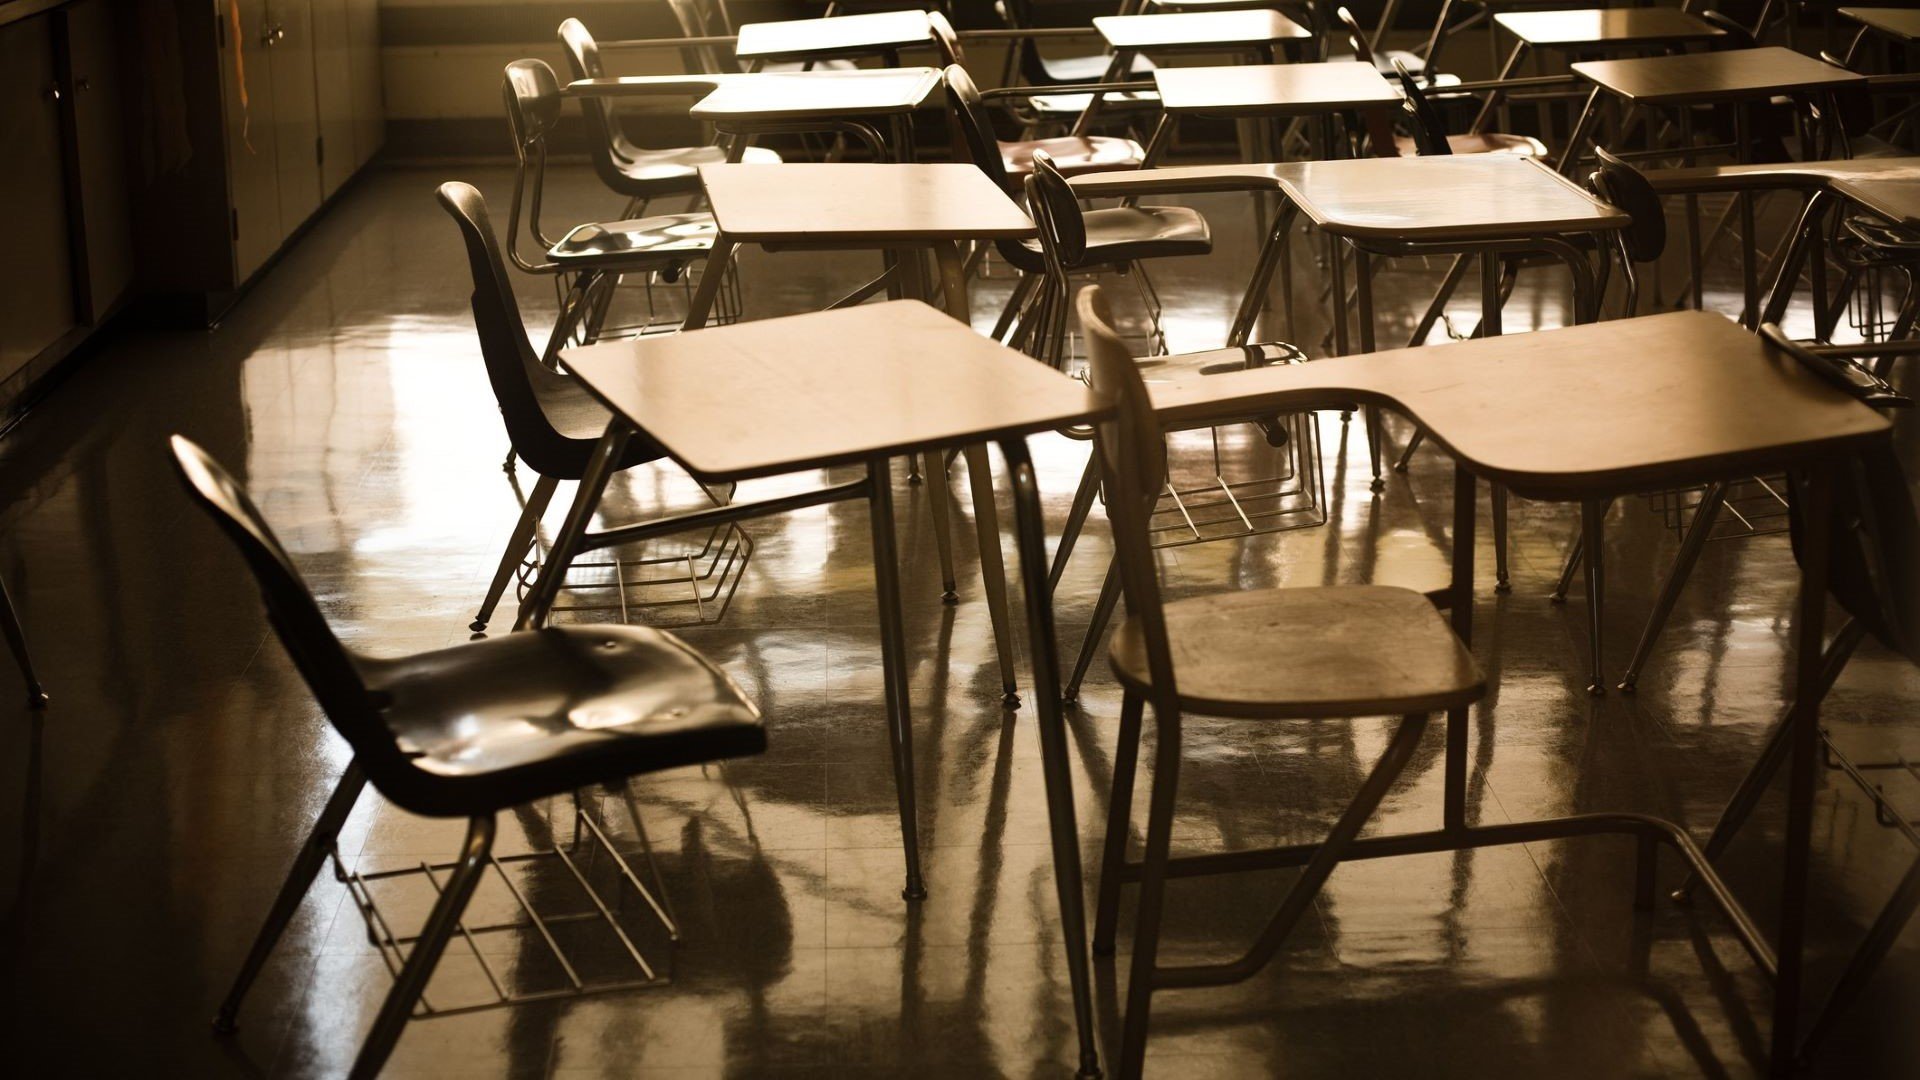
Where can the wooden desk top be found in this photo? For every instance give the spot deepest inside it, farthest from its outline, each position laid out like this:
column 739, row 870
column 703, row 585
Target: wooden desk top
column 828, row 388
column 853, row 202
column 1607, row 26
column 1727, row 75
column 1273, row 89
column 841, row 35
column 1588, row 411
column 1199, row 30
column 1902, row 23
column 819, row 95
column 1897, row 200
column 1470, row 198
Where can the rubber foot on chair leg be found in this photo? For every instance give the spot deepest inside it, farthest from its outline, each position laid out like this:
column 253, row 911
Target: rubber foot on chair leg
column 1557, row 598
column 1682, row 896
column 478, row 626
column 224, row 1025
column 915, row 890
column 1088, row 1071
column 1626, row 686
column 36, row 697
column 1379, row 485
column 1503, row 587
column 1596, row 688
column 949, row 597
column 1010, row 700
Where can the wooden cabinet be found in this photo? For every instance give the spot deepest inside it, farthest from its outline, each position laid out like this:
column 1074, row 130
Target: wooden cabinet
column 99, row 156
column 36, row 262
column 300, row 117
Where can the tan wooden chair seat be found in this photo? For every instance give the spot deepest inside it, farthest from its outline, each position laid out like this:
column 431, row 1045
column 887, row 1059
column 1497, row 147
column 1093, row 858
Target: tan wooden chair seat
column 1334, row 651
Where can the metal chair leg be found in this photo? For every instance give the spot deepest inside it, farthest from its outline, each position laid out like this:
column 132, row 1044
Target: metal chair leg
column 1371, row 415
column 306, row 863
column 17, row 641
column 1568, row 569
column 986, row 524
column 517, row 546
column 1126, row 756
column 1690, row 548
column 1153, row 884
column 1022, row 290
column 1501, row 582
column 441, row 924
column 934, row 466
column 1076, row 519
column 1096, row 631
column 1593, row 518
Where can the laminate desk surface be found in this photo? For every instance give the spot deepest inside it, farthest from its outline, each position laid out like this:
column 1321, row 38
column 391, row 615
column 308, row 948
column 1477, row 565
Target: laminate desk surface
column 1607, row 26
column 1273, row 89
column 1897, row 200
column 1902, row 23
column 1199, row 30
column 1442, row 199
column 1726, row 75
column 824, row 389
column 1784, row 174
column 840, row 35
column 847, row 201
column 695, row 83
column 1582, row 412
column 819, row 95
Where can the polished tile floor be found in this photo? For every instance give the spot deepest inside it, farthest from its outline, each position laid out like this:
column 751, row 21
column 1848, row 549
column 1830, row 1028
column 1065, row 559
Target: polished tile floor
column 150, row 812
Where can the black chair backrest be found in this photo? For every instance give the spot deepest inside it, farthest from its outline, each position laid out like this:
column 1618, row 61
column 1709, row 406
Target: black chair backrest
column 324, row 663
column 1132, row 453
column 1625, row 187
column 1056, row 211
column 533, row 108
column 512, row 366
column 946, row 41
column 976, row 127
column 1356, row 37
column 1874, row 568
column 1429, row 127
column 583, row 59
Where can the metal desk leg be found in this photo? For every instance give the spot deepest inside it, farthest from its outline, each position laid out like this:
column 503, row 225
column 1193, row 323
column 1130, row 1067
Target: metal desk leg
column 1490, row 267
column 1272, row 256
column 1370, row 414
column 1749, row 271
column 1460, row 616
column 1062, row 830
column 893, row 664
column 719, row 261
column 1496, row 98
column 573, row 532
column 1803, row 763
column 1570, row 157
column 1593, row 519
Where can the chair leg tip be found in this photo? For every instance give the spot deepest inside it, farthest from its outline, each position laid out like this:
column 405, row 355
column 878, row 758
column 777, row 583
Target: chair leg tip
column 1378, row 485
column 914, row 891
column 1503, row 587
column 1596, row 688
column 478, row 626
column 1556, row 598
column 225, row 1025
column 1627, row 686
column 950, row 597
column 1009, row 700
column 36, row 697
column 1089, row 1070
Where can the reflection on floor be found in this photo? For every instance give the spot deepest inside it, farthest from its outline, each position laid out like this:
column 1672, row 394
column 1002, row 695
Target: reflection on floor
column 151, row 812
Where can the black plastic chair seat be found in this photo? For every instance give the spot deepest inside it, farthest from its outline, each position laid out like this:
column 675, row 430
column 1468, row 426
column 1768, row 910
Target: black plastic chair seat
column 1125, row 233
column 1492, row 142
column 663, row 240
column 1072, row 105
column 500, row 722
column 1092, row 68
column 1073, row 155
column 652, row 174
column 1303, row 653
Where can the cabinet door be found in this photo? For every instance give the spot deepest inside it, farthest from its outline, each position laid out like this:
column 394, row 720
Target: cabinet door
column 100, row 138
column 253, row 172
column 369, row 96
column 333, row 93
column 36, row 262
column 296, row 115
